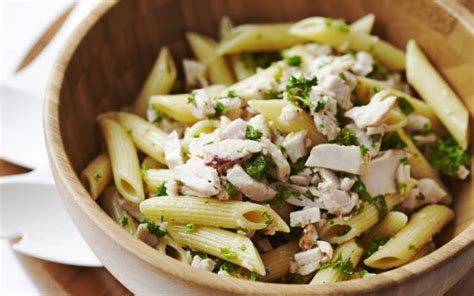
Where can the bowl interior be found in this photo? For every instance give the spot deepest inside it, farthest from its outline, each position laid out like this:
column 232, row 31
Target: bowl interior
column 109, row 64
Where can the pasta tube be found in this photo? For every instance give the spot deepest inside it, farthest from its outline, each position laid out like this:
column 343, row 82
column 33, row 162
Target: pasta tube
column 403, row 246
column 154, row 178
column 150, row 163
column 124, row 160
column 223, row 244
column 364, row 24
column 169, row 247
column 389, row 226
column 272, row 109
column 277, row 261
column 160, row 81
column 210, row 212
column 337, row 271
column 110, row 202
column 258, row 37
column 341, row 229
column 438, row 94
column 364, row 91
column 97, row 175
column 336, row 33
column 146, row 136
column 201, row 127
column 205, row 51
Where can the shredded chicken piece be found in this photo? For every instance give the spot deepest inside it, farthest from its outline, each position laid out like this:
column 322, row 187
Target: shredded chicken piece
column 197, row 178
column 374, row 113
column 173, row 151
column 195, row 73
column 338, row 157
column 256, row 191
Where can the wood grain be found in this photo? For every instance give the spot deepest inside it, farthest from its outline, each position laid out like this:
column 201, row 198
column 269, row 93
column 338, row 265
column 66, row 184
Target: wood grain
column 103, row 66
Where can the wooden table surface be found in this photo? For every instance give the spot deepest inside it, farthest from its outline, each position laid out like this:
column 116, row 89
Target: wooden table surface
column 58, row 279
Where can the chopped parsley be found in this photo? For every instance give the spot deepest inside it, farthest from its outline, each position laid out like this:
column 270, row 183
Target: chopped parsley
column 254, row 276
column 298, row 166
column 243, row 248
column 405, row 106
column 231, row 94
column 192, row 98
column 320, row 106
column 298, row 90
column 124, row 221
column 392, row 141
column 345, row 137
column 273, row 94
column 225, row 266
column 377, row 70
column 220, row 110
column 341, row 27
column 378, row 201
column 426, row 129
column 381, row 205
column 363, row 273
column 363, row 150
column 342, row 76
column 283, row 193
column 358, row 209
column 201, row 255
column 252, row 133
column 154, row 228
column 344, row 267
column 412, row 247
column 161, row 190
column 189, row 228
column 351, row 53
column 308, row 195
column 376, row 244
column 262, row 60
column 294, row 61
column 97, row 177
column 268, row 218
column 230, row 189
column 228, row 253
column 447, row 156
column 404, row 161
column 257, row 167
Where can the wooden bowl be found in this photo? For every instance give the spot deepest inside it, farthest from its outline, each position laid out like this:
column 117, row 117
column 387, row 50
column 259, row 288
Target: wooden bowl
column 105, row 63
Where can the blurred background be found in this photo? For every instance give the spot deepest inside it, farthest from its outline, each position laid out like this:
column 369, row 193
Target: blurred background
column 32, row 34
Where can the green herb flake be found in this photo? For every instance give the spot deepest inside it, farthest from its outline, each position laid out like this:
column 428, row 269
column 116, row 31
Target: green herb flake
column 411, row 248
column 344, row 267
column 268, row 218
column 161, row 190
column 231, row 94
column 189, row 228
column 447, row 156
column 405, row 106
column 201, row 255
column 220, row 110
column 124, row 221
column 225, row 266
column 404, row 161
column 342, row 76
column 363, row 273
column 228, row 254
column 426, row 129
column 375, row 245
column 345, row 137
column 192, row 98
column 154, row 228
column 298, row 90
column 363, row 150
column 298, row 166
column 254, row 276
column 230, row 189
column 381, row 205
column 392, row 141
column 378, row 70
column 257, row 167
column 294, row 61
column 243, row 248
column 273, row 94
column 283, row 193
column 360, row 189
column 97, row 177
column 342, row 27
column 252, row 133
column 351, row 53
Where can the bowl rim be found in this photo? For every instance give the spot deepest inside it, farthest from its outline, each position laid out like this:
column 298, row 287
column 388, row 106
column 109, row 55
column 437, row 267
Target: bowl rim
column 65, row 175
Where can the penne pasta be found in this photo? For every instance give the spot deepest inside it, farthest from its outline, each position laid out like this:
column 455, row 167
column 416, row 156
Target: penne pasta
column 336, row 33
column 438, row 94
column 422, row 226
column 204, row 49
column 272, row 109
column 150, row 163
column 154, row 178
column 223, row 244
column 97, row 175
column 168, row 246
column 146, row 136
column 258, row 37
column 277, row 261
column 124, row 160
column 364, row 24
column 160, row 81
column 210, row 212
column 366, row 86
column 395, row 120
column 201, row 127
column 349, row 251
column 388, row 226
column 110, row 201
column 341, row 229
